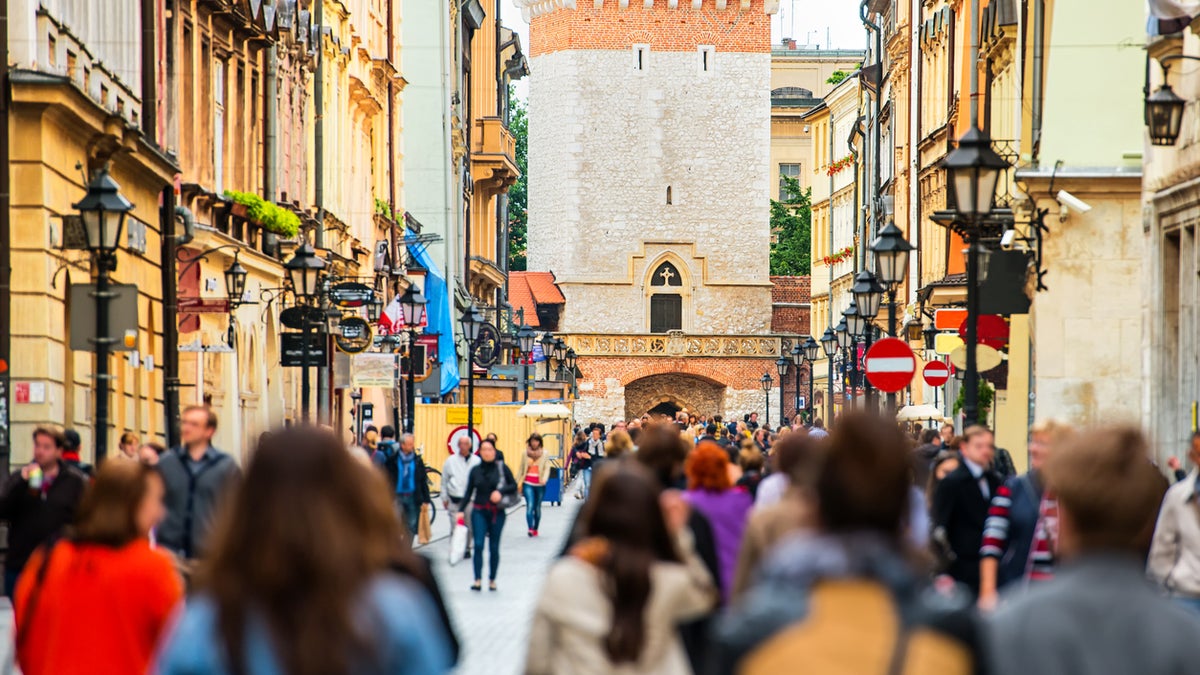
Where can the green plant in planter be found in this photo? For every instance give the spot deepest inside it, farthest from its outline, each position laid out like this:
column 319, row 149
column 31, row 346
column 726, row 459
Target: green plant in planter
column 383, row 209
column 986, row 396
column 272, row 218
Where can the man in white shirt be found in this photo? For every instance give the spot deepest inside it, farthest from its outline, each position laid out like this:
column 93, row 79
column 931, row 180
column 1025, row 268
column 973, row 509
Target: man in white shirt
column 1175, row 552
column 455, row 472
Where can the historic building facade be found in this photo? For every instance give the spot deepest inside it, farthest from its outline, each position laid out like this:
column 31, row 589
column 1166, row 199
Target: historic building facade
column 638, row 115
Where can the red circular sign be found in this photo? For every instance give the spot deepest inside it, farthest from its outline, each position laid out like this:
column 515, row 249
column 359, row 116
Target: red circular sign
column 890, row 364
column 936, row 373
column 990, row 329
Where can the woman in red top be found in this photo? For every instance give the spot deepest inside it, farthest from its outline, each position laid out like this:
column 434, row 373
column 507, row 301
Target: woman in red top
column 97, row 601
column 535, row 470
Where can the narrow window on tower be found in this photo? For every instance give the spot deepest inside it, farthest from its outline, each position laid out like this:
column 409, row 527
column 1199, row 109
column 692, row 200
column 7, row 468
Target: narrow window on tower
column 668, row 195
column 641, row 54
column 706, row 54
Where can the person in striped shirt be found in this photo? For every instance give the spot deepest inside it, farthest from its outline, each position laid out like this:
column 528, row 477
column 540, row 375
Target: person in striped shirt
column 1020, row 535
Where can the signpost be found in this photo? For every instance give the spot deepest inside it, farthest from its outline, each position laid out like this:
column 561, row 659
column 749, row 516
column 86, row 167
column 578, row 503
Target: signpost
column 936, row 373
column 293, row 353
column 890, row 365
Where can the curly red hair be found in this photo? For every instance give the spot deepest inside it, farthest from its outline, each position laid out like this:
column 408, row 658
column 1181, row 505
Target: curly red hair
column 707, row 468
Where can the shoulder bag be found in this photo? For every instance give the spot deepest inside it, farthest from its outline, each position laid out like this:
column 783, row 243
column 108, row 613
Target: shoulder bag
column 506, row 501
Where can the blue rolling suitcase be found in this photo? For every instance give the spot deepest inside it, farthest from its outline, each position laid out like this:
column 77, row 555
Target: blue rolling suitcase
column 554, row 486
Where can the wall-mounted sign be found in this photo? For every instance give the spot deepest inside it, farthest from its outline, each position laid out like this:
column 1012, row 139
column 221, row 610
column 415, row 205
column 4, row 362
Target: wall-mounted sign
column 487, row 346
column 355, row 335
column 373, row 370
column 351, row 294
column 293, row 317
column 294, row 355
column 204, row 305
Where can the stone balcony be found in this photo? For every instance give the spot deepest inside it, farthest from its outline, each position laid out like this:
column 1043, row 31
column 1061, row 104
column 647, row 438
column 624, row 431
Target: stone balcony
column 493, row 155
column 676, row 344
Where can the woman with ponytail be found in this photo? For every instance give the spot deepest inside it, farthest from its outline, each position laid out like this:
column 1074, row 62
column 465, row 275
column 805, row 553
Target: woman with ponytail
column 614, row 602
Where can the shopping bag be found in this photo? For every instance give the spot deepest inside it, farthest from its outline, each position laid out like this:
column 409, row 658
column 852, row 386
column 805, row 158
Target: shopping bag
column 458, row 540
column 423, row 530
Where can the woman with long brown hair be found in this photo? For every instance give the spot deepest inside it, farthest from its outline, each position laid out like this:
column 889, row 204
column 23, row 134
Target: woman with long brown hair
column 97, row 600
column 614, row 602
column 299, row 578
column 535, row 471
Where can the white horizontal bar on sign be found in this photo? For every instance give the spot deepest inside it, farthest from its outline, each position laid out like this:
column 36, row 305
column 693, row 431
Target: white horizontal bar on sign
column 892, row 364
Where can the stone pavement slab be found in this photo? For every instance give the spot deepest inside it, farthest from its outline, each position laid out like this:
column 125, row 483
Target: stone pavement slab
column 494, row 627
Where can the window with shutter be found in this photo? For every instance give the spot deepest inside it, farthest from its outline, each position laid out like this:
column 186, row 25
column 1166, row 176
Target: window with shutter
column 666, row 312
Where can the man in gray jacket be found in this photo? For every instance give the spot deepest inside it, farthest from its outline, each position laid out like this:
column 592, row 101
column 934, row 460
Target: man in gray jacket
column 1099, row 615
column 198, row 478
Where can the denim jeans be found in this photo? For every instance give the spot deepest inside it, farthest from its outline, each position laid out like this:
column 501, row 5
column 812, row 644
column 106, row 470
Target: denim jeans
column 1192, row 604
column 587, row 482
column 410, row 512
column 533, row 504
column 488, row 523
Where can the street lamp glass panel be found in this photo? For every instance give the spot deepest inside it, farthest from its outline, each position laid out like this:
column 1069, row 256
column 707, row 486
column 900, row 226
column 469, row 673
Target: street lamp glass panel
column 974, row 169
column 930, row 333
column 844, row 338
column 472, row 322
column 855, row 323
column 1164, row 115
column 868, row 294
column 891, row 255
column 812, row 350
column 304, row 270
column 525, row 339
column 781, row 366
column 766, row 381
column 235, row 282
column 829, row 342
column 103, row 210
column 797, row 353
column 572, row 359
column 560, row 349
column 374, row 309
column 547, row 343
column 412, row 306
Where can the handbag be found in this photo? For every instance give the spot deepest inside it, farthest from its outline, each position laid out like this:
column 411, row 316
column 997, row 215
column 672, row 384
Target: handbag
column 424, row 533
column 506, row 501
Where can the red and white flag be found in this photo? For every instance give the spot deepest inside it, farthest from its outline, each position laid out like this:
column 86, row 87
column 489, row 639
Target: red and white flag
column 391, row 321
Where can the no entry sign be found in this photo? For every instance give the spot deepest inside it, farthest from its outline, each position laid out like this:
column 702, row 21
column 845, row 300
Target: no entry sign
column 936, row 373
column 891, row 365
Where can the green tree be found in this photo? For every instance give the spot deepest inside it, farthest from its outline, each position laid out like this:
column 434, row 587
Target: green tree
column 791, row 224
column 518, row 194
column 836, row 77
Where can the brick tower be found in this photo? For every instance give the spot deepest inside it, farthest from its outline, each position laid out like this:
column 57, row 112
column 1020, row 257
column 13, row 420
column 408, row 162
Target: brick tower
column 649, row 141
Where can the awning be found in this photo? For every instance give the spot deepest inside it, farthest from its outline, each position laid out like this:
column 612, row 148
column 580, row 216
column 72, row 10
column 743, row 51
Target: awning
column 545, row 411
column 917, row 413
column 439, row 315
column 1171, row 16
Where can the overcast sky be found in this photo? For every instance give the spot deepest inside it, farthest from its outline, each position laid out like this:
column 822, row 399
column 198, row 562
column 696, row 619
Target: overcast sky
column 822, row 23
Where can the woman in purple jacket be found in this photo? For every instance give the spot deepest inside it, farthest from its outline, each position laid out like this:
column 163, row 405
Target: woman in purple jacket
column 712, row 493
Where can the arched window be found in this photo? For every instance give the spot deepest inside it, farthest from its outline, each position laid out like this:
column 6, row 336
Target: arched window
column 666, row 302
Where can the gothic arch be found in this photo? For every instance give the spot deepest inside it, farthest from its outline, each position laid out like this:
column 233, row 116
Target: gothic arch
column 693, row 393
column 692, row 367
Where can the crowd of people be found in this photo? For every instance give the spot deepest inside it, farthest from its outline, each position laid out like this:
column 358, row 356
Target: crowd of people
column 700, row 546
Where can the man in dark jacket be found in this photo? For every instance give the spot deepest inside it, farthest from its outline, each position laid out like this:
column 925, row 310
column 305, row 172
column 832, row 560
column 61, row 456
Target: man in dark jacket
column 197, row 477
column 406, row 472
column 960, row 506
column 38, row 501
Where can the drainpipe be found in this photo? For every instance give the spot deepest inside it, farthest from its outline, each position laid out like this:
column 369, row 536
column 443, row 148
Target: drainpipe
column 5, row 241
column 1039, row 37
column 914, row 143
column 172, row 212
column 271, row 135
column 319, row 188
column 829, row 399
column 149, row 74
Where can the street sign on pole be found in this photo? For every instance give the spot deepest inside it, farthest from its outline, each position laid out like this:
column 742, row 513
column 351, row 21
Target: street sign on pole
column 936, row 373
column 890, row 365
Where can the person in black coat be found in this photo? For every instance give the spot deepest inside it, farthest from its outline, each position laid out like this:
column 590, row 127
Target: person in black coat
column 960, row 507
column 487, row 486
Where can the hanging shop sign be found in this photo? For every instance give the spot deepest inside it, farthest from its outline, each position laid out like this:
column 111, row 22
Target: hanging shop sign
column 293, row 317
column 293, row 353
column 487, row 346
column 351, row 294
column 355, row 335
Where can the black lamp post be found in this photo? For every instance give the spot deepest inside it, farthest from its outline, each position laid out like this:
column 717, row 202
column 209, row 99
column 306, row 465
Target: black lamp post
column 766, row 387
column 781, row 366
column 829, row 344
column 374, row 309
column 891, row 260
column 974, row 170
column 547, row 342
column 103, row 210
column 304, row 271
column 856, row 331
column 560, row 352
column 812, row 352
column 525, row 339
column 572, row 360
column 472, row 322
column 412, row 305
column 798, row 361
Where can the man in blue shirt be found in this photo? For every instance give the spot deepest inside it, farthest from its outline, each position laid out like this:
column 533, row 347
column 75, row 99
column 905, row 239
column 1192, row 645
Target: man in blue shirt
column 406, row 472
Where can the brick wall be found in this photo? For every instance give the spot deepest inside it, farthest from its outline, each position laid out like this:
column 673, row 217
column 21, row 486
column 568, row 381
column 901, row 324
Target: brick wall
column 665, row 29
column 790, row 305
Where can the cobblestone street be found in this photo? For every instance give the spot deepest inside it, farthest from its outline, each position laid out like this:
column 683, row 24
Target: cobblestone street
column 493, row 627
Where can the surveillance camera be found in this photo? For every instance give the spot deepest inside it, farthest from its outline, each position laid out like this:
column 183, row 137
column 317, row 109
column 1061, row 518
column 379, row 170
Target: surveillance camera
column 1068, row 200
column 1008, row 239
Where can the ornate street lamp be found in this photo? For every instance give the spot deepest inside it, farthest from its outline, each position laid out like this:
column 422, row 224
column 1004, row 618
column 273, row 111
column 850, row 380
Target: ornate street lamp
column 472, row 322
column 304, row 270
column 812, row 350
column 781, row 366
column 572, row 359
column 868, row 295
column 103, row 210
column 797, row 353
column 374, row 309
column 855, row 323
column 235, row 282
column 891, row 255
column 1164, row 115
column 547, row 343
column 525, row 339
column 766, row 382
column 829, row 343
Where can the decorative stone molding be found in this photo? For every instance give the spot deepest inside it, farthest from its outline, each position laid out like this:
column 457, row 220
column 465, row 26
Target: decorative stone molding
column 675, row 344
column 534, row 8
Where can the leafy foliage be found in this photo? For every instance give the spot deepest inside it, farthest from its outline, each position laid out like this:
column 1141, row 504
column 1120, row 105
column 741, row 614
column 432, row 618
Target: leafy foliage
column 518, row 194
column 836, row 77
column 791, row 223
column 986, row 396
column 273, row 219
column 382, row 208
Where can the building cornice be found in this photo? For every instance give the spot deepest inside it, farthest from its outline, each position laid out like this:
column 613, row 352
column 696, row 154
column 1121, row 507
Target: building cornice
column 531, row 9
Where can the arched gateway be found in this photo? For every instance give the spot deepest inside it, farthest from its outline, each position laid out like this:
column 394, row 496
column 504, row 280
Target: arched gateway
column 684, row 392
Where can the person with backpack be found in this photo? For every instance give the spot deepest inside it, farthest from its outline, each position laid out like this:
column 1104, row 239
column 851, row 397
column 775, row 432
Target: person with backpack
column 406, row 473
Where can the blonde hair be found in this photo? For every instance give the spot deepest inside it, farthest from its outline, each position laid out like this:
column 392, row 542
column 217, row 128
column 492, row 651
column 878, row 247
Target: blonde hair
column 619, row 443
column 1056, row 430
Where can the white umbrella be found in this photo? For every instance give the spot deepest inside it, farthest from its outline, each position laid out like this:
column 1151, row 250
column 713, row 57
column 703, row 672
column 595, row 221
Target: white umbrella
column 914, row 413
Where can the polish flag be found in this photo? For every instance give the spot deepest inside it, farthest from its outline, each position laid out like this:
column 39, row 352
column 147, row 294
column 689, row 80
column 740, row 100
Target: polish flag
column 391, row 321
